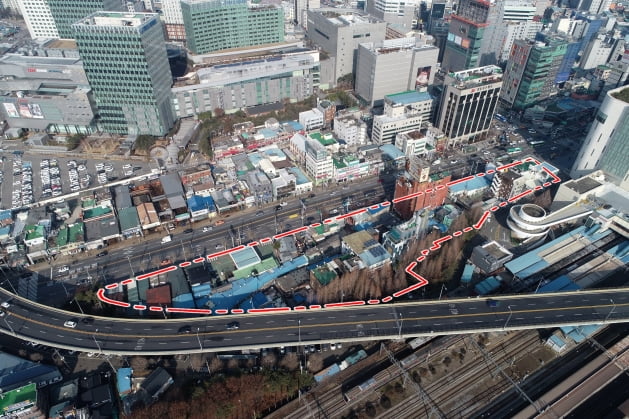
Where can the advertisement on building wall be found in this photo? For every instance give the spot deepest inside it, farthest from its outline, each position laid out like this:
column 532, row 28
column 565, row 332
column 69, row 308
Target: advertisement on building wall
column 31, row 110
column 423, row 76
column 10, row 110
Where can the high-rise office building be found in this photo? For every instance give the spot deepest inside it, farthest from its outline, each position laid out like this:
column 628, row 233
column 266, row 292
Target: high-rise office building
column 215, row 25
column 531, row 72
column 475, row 36
column 570, row 55
column 392, row 66
column 173, row 20
column 67, row 12
column 399, row 12
column 606, row 145
column 340, row 34
column 38, row 18
column 300, row 10
column 125, row 60
column 468, row 102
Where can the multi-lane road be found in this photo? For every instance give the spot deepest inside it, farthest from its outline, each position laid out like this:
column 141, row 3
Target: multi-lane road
column 31, row 321
column 145, row 256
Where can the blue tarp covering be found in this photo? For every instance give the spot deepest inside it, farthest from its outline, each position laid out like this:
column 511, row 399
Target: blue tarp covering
column 123, row 381
column 201, row 290
column 467, row 273
column 487, row 286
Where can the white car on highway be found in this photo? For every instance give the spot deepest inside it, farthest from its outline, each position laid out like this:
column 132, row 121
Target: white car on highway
column 70, row 323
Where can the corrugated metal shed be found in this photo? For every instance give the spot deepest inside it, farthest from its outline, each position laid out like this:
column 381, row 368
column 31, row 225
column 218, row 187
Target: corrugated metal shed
column 158, row 295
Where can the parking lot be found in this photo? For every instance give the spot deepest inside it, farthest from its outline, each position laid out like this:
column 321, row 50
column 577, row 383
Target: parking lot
column 27, row 178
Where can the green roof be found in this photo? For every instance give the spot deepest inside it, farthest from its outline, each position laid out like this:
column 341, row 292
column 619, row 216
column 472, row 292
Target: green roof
column 62, row 236
column 76, row 234
column 128, row 218
column 324, row 275
column 88, row 203
column 263, row 266
column 95, row 212
column 34, row 232
column 324, row 140
column 338, row 163
column 18, row 399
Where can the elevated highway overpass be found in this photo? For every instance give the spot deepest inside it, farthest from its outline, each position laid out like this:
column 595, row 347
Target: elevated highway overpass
column 35, row 322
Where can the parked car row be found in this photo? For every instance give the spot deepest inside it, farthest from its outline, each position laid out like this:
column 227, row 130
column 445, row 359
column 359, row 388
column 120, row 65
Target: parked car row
column 79, row 178
column 22, row 182
column 50, row 178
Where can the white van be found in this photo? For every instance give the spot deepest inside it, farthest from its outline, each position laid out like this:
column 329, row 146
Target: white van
column 166, row 239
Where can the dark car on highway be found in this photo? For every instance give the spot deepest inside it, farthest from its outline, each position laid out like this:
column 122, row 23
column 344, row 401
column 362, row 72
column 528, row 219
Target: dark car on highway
column 233, row 326
column 185, row 330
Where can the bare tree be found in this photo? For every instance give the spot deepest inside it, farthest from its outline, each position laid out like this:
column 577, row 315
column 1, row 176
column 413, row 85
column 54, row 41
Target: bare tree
column 315, row 362
column 140, row 365
column 269, row 360
column 290, row 361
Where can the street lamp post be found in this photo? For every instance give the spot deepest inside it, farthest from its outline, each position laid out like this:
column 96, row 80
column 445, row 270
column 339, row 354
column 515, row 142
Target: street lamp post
column 80, row 308
column 508, row 318
column 443, row 286
column 400, row 326
column 96, row 342
column 9, row 326
column 200, row 345
column 130, row 266
column 610, row 311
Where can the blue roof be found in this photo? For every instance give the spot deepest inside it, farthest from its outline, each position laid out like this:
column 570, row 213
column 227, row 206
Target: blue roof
column 294, row 125
column 532, row 257
column 375, row 255
column 467, row 273
column 300, row 177
column 533, row 269
column 392, row 151
column 255, row 158
column 267, row 132
column 6, row 214
column 557, row 341
column 4, row 231
column 556, row 285
column 487, row 286
column 475, row 184
column 274, row 151
column 123, row 379
column 410, row 96
column 245, row 257
column 198, row 203
column 242, row 288
column 580, row 333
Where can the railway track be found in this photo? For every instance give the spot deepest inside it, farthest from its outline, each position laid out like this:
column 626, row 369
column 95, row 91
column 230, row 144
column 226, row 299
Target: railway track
column 447, row 393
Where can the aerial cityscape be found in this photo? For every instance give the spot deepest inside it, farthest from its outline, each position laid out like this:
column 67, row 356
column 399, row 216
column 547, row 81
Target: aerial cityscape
column 314, row 209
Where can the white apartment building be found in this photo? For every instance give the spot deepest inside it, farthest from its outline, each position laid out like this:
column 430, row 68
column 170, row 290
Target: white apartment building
column 415, row 143
column 319, row 164
column 312, row 119
column 403, row 111
column 38, row 19
column 350, row 129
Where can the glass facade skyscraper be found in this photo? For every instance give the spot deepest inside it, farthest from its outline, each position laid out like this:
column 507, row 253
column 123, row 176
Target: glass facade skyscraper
column 215, row 25
column 125, row 60
column 67, row 12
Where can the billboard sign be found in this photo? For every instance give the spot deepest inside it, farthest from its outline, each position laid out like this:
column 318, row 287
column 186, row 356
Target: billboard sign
column 10, row 110
column 422, row 77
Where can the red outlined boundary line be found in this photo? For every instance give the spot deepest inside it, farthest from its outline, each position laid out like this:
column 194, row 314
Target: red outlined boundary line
column 421, row 281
